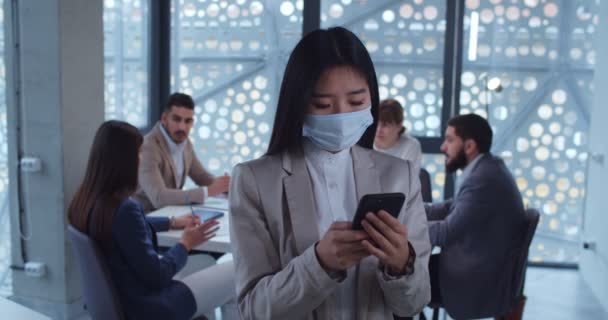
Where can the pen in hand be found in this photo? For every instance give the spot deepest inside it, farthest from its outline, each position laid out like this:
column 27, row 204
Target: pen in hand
column 191, row 207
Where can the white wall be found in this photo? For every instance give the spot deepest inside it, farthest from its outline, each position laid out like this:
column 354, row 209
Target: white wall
column 594, row 263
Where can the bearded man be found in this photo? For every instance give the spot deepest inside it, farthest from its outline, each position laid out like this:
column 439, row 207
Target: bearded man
column 477, row 230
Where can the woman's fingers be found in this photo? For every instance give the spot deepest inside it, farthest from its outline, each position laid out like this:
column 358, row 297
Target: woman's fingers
column 208, row 224
column 381, row 255
column 379, row 239
column 349, row 235
column 211, row 231
column 391, row 221
column 385, row 228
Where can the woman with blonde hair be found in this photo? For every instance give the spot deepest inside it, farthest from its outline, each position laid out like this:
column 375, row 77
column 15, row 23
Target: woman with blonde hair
column 391, row 136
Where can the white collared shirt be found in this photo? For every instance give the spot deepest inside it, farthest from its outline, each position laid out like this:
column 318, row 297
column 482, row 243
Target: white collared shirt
column 177, row 154
column 333, row 184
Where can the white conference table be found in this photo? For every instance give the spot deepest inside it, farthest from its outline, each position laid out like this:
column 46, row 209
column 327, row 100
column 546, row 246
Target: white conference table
column 219, row 243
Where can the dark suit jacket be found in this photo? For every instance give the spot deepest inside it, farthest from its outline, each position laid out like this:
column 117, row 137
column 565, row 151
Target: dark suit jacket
column 143, row 280
column 479, row 233
column 157, row 187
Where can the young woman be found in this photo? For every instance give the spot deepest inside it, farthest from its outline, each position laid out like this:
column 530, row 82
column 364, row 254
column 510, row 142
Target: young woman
column 296, row 254
column 103, row 209
column 391, row 136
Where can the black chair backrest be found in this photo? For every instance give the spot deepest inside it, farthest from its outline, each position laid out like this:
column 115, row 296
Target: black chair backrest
column 425, row 186
column 532, row 217
column 99, row 293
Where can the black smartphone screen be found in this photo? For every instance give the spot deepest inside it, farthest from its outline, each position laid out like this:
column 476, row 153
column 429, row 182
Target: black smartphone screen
column 389, row 202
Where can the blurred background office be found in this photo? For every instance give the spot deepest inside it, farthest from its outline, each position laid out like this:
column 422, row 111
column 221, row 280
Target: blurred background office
column 536, row 69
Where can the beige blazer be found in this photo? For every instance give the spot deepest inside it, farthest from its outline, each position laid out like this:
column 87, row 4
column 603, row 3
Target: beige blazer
column 157, row 187
column 273, row 232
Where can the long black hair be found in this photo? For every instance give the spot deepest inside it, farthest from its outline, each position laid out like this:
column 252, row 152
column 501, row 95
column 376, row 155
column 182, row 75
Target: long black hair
column 110, row 177
column 316, row 53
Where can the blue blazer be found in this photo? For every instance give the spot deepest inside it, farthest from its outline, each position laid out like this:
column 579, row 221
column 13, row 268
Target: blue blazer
column 480, row 233
column 143, row 279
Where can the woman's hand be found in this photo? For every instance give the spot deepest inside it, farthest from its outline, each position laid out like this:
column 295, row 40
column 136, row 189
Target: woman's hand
column 388, row 241
column 186, row 220
column 341, row 247
column 196, row 234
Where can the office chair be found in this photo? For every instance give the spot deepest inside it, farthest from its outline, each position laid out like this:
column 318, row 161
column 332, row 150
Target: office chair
column 99, row 293
column 516, row 313
column 531, row 221
column 425, row 185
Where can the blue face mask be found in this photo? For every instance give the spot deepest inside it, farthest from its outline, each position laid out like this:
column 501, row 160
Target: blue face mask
column 338, row 131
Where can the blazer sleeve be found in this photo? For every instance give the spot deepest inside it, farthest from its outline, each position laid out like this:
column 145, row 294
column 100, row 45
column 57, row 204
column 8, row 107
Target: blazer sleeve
column 160, row 224
column 407, row 295
column 197, row 172
column 151, row 181
column 131, row 234
column 438, row 211
column 265, row 289
column 468, row 212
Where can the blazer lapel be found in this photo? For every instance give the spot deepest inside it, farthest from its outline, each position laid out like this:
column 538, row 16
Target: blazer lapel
column 299, row 195
column 473, row 168
column 164, row 150
column 367, row 180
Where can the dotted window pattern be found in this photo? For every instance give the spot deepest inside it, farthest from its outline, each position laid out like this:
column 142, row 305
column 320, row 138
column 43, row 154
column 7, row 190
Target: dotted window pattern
column 542, row 53
column 406, row 42
column 125, row 28
column 230, row 56
column 5, row 225
column 435, row 165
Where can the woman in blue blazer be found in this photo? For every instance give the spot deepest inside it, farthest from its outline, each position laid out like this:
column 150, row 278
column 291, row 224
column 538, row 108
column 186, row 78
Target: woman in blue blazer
column 103, row 209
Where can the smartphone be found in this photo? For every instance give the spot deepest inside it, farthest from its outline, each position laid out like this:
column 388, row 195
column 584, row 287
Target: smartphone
column 206, row 214
column 389, row 202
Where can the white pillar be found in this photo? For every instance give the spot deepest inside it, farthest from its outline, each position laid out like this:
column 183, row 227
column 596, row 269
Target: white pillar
column 55, row 103
column 594, row 262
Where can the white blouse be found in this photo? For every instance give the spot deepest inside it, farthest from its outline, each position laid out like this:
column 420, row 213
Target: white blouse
column 406, row 148
column 333, row 183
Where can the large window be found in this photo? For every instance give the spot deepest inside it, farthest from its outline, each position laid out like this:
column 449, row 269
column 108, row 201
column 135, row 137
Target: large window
column 528, row 67
column 5, row 224
column 125, row 25
column 230, row 56
column 406, row 42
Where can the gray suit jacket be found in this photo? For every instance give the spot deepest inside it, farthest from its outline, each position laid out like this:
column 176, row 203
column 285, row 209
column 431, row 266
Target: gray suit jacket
column 157, row 186
column 479, row 233
column 273, row 232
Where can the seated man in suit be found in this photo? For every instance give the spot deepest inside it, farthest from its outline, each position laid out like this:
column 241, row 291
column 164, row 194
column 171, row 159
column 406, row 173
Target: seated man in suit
column 167, row 158
column 472, row 276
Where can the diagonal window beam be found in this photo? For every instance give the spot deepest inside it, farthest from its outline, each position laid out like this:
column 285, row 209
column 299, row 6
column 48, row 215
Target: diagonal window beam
column 579, row 103
column 247, row 72
column 516, row 122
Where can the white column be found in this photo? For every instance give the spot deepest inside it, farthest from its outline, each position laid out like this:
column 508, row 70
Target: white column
column 55, row 103
column 594, row 261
